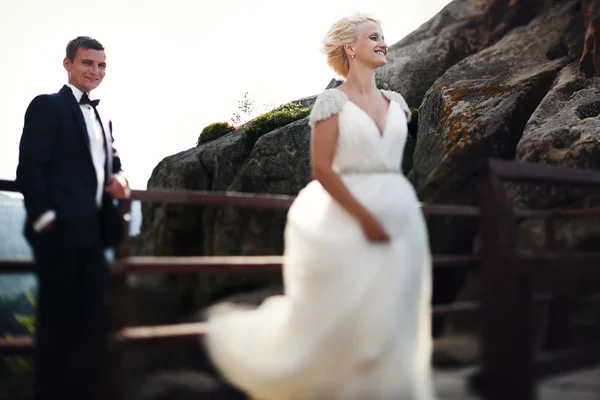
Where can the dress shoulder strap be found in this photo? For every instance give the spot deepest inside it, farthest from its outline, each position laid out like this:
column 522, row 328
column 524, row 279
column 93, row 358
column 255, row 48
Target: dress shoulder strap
column 397, row 97
column 328, row 103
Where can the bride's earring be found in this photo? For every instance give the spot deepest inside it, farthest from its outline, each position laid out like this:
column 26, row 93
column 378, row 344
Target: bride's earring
column 348, row 50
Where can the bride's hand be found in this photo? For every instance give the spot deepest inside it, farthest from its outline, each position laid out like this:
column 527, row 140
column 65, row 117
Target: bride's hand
column 373, row 230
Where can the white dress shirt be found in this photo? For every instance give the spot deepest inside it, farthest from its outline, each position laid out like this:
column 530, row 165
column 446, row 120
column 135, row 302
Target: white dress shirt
column 97, row 150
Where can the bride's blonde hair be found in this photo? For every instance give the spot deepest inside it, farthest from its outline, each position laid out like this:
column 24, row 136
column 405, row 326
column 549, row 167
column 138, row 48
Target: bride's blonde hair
column 344, row 31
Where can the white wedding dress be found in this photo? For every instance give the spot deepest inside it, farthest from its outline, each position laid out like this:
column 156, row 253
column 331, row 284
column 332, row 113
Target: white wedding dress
column 354, row 321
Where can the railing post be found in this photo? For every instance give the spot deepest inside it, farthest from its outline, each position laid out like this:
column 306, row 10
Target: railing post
column 119, row 304
column 506, row 315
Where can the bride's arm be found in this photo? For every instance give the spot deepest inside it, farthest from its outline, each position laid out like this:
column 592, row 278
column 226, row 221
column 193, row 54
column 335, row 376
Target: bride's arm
column 323, row 147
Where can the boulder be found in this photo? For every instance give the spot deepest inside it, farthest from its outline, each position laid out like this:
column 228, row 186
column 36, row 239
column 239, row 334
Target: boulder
column 477, row 110
column 563, row 131
column 415, row 62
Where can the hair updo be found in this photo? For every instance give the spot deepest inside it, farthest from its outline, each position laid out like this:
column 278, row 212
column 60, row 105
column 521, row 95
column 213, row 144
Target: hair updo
column 344, row 31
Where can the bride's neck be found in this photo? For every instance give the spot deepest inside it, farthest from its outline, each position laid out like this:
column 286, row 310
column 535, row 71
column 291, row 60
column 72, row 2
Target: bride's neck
column 361, row 82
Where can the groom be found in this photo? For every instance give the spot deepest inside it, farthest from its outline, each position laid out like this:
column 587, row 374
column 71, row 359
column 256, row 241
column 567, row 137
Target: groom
column 69, row 175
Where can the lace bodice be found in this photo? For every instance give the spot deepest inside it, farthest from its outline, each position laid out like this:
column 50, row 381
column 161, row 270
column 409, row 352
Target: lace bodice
column 361, row 147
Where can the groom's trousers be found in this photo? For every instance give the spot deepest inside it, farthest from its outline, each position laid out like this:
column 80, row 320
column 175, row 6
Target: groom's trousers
column 72, row 317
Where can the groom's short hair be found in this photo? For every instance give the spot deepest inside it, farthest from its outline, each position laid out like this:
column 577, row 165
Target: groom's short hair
column 84, row 42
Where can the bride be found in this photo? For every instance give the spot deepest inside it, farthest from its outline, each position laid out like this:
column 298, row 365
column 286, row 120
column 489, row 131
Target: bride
column 354, row 320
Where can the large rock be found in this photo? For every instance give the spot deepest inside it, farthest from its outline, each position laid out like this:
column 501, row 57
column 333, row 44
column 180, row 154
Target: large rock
column 477, row 75
column 416, row 61
column 478, row 110
column 563, row 131
column 174, row 229
column 212, row 166
column 278, row 164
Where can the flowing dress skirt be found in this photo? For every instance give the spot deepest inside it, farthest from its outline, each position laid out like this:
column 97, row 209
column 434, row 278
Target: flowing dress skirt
column 354, row 320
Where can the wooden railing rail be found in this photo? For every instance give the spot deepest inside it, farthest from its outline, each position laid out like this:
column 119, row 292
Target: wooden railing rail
column 8, row 186
column 125, row 264
column 509, row 368
column 517, row 172
column 143, row 335
column 192, row 264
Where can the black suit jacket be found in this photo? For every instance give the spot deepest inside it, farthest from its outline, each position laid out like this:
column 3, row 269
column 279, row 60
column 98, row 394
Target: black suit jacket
column 56, row 172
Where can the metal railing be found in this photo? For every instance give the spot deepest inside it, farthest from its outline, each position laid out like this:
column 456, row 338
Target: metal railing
column 509, row 369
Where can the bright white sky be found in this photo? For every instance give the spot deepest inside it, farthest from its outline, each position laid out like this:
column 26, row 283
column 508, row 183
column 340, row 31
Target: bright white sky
column 175, row 66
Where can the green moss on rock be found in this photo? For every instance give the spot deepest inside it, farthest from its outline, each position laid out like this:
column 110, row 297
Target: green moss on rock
column 214, row 131
column 274, row 119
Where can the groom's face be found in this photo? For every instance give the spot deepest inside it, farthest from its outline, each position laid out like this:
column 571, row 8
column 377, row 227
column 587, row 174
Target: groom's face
column 87, row 69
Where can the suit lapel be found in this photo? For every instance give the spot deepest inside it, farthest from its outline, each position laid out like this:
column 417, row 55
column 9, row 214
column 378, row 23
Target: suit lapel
column 76, row 110
column 107, row 143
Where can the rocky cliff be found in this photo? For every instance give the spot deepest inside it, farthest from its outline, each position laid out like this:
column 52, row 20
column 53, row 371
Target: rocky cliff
column 489, row 79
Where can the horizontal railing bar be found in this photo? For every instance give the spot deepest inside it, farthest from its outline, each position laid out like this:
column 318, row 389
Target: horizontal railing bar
column 128, row 335
column 189, row 331
column 16, row 266
column 449, row 209
column 473, row 306
column 556, row 213
column 539, row 173
column 152, row 334
column 504, row 169
column 150, row 264
column 541, row 262
column 15, row 345
column 8, row 186
column 284, row 201
column 455, row 308
column 265, row 200
column 197, row 197
column 244, row 199
column 192, row 331
column 455, row 261
column 157, row 264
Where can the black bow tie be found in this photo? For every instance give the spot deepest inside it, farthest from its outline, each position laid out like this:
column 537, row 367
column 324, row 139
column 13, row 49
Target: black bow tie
column 86, row 100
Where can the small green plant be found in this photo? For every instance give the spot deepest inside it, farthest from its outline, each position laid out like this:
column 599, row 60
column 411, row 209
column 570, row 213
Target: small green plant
column 244, row 110
column 414, row 112
column 274, row 119
column 214, row 131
